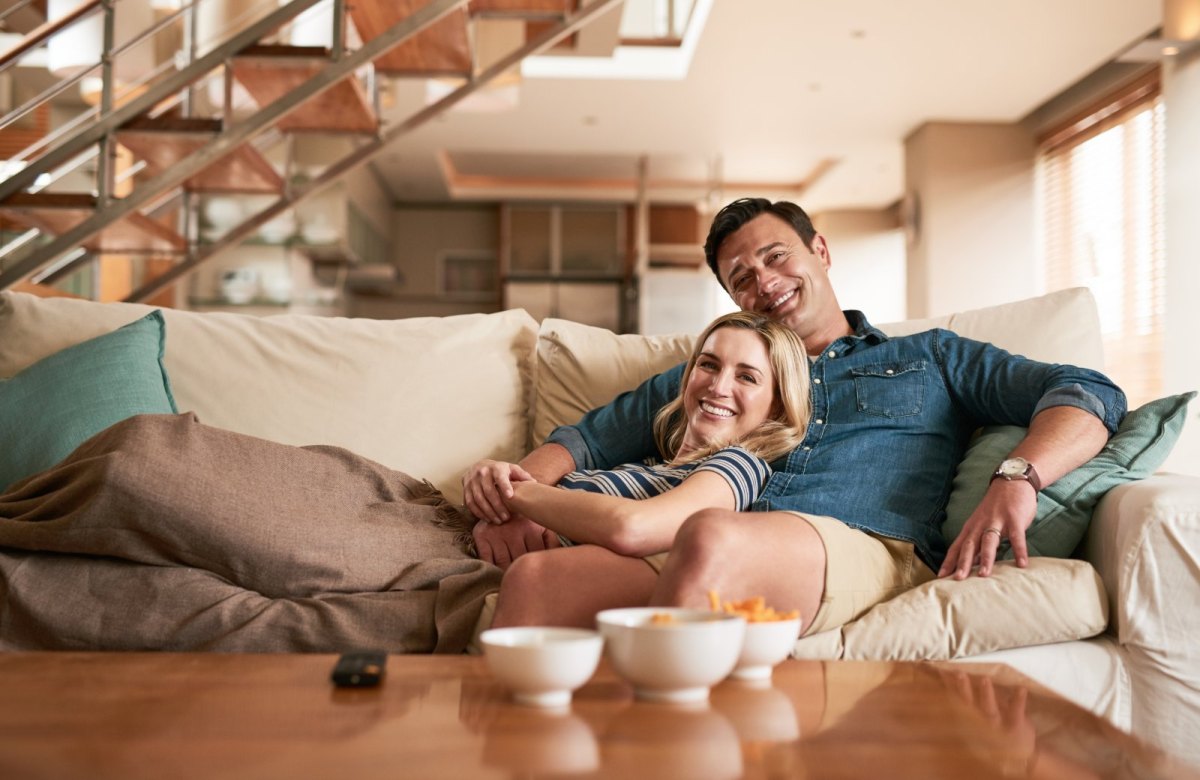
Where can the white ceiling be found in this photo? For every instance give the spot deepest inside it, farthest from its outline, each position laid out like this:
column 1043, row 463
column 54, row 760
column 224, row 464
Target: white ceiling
column 775, row 88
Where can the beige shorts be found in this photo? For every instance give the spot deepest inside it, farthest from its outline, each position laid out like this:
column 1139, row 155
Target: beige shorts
column 656, row 561
column 861, row 570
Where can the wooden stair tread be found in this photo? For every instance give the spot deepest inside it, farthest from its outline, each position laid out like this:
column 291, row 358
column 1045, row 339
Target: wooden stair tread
column 442, row 49
column 522, row 8
column 344, row 107
column 57, row 212
column 163, row 144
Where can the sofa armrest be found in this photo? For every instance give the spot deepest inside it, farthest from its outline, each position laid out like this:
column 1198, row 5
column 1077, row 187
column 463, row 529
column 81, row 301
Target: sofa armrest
column 1144, row 541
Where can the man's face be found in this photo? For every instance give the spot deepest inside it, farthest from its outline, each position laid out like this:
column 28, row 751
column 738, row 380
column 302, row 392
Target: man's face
column 766, row 268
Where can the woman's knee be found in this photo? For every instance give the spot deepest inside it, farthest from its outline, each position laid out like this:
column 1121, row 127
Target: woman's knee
column 708, row 530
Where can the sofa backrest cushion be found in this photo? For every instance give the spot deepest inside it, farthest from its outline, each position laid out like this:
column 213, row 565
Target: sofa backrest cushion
column 581, row 367
column 428, row 396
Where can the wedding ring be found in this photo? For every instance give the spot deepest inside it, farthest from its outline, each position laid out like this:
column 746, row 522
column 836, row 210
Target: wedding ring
column 995, row 531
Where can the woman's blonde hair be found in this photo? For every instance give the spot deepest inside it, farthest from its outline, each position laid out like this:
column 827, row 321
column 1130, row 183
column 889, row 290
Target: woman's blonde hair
column 783, row 431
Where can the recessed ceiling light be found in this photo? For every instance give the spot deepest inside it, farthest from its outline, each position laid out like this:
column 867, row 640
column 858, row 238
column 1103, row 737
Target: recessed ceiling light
column 1170, row 51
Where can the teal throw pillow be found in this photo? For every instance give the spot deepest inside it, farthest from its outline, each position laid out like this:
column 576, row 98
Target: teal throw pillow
column 1140, row 445
column 53, row 406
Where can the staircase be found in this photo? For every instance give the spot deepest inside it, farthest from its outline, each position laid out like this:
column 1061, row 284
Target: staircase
column 176, row 144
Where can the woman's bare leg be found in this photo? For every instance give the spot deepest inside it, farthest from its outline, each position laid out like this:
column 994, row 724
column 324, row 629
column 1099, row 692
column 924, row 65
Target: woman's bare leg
column 569, row 585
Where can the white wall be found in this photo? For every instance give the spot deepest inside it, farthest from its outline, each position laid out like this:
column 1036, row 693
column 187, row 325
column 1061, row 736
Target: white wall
column 1181, row 91
column 868, row 266
column 974, row 240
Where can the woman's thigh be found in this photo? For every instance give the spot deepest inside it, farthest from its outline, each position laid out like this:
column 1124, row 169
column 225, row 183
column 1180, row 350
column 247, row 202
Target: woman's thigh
column 567, row 586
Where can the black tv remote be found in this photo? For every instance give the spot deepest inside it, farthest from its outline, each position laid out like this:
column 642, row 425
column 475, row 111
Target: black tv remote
column 360, row 669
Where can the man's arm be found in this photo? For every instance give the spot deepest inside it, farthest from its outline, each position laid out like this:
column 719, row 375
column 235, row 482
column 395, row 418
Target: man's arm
column 1060, row 439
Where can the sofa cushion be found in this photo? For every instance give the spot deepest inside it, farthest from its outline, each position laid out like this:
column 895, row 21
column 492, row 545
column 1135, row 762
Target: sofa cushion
column 51, row 407
column 1140, row 445
column 428, row 396
column 581, row 367
column 1059, row 327
column 1052, row 600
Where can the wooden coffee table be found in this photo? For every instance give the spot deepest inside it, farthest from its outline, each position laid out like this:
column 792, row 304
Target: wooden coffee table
column 96, row 715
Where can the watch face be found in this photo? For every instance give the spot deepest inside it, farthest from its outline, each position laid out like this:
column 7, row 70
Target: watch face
column 1014, row 467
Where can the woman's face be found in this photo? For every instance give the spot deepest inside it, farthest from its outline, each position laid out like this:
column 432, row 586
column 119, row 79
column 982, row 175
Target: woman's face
column 731, row 390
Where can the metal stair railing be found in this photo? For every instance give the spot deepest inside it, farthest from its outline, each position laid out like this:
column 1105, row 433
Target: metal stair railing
column 223, row 143
column 362, row 154
column 233, row 136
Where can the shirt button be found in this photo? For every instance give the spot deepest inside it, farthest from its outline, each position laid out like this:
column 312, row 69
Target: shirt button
column 831, row 354
column 816, row 381
column 889, row 372
column 818, row 421
column 808, row 449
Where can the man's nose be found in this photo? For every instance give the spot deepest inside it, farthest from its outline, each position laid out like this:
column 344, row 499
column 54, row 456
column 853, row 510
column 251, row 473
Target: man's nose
column 766, row 282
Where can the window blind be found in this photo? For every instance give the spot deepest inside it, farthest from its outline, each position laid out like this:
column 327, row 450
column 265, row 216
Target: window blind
column 1101, row 204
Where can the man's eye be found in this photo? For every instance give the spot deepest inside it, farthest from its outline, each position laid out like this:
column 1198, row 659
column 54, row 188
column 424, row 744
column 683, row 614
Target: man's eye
column 775, row 258
column 739, row 283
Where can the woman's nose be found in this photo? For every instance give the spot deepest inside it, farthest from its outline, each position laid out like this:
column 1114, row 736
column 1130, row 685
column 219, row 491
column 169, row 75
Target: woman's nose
column 720, row 383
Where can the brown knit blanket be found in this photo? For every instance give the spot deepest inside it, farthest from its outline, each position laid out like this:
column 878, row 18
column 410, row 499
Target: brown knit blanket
column 162, row 533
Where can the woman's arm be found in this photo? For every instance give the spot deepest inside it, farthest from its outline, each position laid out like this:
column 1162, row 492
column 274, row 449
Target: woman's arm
column 625, row 526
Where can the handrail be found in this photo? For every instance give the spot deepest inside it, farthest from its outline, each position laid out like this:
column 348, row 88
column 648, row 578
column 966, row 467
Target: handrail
column 46, row 30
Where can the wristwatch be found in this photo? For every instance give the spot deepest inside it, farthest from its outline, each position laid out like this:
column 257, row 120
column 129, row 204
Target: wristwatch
column 1018, row 468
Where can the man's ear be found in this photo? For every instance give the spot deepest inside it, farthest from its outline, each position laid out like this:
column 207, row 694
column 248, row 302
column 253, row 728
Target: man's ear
column 821, row 250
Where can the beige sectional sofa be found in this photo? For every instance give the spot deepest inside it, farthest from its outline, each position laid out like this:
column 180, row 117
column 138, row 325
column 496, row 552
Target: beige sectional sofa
column 429, row 396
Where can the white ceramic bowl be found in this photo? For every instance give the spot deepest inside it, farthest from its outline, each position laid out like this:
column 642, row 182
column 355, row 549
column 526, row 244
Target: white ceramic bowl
column 766, row 644
column 676, row 661
column 542, row 666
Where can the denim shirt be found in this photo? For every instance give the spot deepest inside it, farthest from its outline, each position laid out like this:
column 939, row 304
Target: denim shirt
column 891, row 420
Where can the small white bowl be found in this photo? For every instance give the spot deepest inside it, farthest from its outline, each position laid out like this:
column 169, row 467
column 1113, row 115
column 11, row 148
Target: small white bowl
column 677, row 661
column 542, row 666
column 766, row 644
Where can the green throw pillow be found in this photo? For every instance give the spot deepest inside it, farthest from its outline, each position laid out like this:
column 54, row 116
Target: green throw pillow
column 1140, row 445
column 53, row 406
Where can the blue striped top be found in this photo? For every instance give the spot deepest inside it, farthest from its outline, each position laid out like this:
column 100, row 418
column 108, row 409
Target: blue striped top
column 744, row 472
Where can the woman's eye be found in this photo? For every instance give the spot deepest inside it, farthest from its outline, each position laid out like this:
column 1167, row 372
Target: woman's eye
column 749, row 378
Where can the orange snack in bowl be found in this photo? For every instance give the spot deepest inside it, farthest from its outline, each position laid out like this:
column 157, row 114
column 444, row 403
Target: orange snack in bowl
column 754, row 610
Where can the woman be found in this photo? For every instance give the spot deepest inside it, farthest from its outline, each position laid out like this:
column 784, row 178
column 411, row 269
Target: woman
column 744, row 401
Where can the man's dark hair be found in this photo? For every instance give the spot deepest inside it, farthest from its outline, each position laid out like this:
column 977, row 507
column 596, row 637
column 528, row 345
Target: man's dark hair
column 741, row 211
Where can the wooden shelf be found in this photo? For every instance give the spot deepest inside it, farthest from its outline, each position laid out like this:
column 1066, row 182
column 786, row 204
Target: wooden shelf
column 268, row 72
column 164, row 142
column 441, row 50
column 57, row 213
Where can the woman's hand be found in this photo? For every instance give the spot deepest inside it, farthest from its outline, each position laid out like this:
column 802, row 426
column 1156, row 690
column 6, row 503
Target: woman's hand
column 488, row 484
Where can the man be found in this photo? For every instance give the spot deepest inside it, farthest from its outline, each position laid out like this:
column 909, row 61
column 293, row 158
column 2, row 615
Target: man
column 852, row 517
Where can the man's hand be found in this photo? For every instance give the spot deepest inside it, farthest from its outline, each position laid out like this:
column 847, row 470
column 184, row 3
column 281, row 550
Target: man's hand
column 1006, row 512
column 487, row 484
column 503, row 544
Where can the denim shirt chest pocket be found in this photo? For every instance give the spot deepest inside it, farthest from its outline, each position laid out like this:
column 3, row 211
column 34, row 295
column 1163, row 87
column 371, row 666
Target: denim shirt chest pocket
column 890, row 389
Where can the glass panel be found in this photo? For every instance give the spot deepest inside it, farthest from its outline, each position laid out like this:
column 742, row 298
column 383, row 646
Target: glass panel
column 529, row 241
column 591, row 241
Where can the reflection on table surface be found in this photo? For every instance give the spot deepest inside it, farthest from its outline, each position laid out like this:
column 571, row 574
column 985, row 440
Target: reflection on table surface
column 134, row 715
